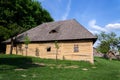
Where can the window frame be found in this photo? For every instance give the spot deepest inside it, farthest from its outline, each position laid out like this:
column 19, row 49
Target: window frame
column 76, row 48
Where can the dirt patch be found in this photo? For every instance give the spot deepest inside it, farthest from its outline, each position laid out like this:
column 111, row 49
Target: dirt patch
column 93, row 67
column 73, row 66
column 19, row 69
column 84, row 69
column 34, row 76
column 57, row 66
column 50, row 64
column 40, row 64
column 52, row 67
column 24, row 75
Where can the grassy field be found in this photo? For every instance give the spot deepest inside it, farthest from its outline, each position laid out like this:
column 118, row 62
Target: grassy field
column 28, row 68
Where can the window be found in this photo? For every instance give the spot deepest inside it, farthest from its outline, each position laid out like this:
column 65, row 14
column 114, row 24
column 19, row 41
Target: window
column 48, row 49
column 37, row 52
column 76, row 48
column 53, row 31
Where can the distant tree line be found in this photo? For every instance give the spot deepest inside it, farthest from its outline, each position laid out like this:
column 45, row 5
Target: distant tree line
column 108, row 41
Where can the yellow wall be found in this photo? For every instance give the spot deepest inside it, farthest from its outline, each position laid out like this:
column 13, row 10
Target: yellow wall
column 66, row 50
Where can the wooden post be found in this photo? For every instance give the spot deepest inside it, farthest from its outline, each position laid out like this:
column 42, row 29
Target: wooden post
column 26, row 46
column 11, row 48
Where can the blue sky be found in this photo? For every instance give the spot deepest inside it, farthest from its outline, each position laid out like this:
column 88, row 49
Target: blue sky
column 95, row 15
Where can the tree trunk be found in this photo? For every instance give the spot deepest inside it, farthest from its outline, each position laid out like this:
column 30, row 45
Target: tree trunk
column 26, row 51
column 56, row 54
column 16, row 45
column 16, row 50
column 11, row 48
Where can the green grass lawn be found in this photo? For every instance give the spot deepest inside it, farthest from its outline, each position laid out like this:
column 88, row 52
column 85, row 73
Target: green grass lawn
column 14, row 67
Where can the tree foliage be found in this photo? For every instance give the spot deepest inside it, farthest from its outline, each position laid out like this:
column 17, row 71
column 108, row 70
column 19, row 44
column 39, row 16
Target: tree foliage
column 56, row 45
column 17, row 16
column 107, row 41
column 26, row 40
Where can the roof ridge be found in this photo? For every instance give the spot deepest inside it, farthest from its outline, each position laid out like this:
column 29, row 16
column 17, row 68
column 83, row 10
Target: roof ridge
column 59, row 21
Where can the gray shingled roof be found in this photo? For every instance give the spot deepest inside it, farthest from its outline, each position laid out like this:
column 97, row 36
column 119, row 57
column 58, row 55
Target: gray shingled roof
column 60, row 30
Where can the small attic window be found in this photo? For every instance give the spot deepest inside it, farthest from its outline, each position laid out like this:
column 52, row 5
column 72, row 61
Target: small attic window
column 53, row 31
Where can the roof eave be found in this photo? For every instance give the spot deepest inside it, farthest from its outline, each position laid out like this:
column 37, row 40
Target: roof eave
column 93, row 39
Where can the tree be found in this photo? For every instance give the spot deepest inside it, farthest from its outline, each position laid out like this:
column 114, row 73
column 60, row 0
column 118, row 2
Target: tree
column 57, row 47
column 26, row 42
column 17, row 16
column 107, row 41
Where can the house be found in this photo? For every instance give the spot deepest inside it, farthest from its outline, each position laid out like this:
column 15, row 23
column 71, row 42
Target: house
column 96, row 53
column 112, row 54
column 74, row 41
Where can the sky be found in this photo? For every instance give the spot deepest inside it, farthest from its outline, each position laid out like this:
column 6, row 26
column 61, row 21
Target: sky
column 95, row 15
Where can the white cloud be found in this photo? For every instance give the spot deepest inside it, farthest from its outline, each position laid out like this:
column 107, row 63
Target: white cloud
column 93, row 25
column 67, row 11
column 113, row 26
column 95, row 29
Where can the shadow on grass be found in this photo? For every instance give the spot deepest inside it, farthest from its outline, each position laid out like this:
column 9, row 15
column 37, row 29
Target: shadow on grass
column 17, row 63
